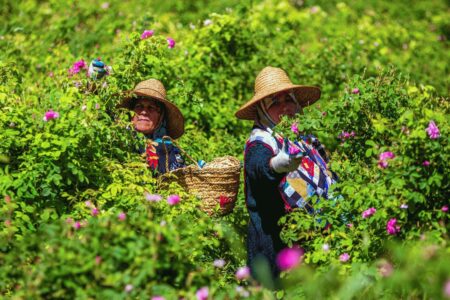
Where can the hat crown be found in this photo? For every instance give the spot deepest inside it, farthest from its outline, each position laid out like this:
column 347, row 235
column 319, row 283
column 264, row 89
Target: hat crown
column 151, row 84
column 271, row 78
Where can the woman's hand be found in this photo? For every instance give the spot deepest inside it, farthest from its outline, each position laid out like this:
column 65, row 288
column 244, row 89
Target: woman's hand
column 284, row 162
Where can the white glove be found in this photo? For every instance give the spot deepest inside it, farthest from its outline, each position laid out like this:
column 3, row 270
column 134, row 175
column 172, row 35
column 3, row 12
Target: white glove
column 284, row 162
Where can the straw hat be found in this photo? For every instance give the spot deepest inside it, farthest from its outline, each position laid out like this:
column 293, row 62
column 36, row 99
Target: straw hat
column 271, row 81
column 154, row 89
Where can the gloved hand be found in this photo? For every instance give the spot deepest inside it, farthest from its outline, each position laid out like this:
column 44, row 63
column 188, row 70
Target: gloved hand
column 97, row 69
column 285, row 162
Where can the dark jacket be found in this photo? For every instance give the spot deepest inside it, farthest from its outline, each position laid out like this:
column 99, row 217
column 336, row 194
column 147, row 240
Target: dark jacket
column 264, row 204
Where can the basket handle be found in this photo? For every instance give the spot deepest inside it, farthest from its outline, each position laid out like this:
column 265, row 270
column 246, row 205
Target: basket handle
column 181, row 149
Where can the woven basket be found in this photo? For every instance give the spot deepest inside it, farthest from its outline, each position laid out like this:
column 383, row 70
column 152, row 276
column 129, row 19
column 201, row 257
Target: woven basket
column 216, row 184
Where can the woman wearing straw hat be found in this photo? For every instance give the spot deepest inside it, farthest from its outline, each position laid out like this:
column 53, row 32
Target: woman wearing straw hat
column 156, row 117
column 279, row 175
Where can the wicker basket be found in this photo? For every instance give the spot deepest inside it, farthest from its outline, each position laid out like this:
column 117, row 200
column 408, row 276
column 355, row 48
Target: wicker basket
column 216, row 184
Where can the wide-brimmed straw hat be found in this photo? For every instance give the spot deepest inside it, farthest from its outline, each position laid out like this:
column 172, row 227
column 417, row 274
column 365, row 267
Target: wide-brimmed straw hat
column 271, row 81
column 153, row 88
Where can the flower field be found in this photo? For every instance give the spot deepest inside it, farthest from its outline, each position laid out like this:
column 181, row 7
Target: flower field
column 81, row 216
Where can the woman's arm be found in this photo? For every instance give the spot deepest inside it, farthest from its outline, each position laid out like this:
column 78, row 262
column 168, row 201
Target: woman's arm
column 257, row 164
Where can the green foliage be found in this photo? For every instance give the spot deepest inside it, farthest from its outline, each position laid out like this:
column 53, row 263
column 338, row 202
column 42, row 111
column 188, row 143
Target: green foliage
column 60, row 169
column 386, row 115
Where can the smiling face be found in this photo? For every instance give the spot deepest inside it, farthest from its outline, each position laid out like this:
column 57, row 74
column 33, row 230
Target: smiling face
column 147, row 116
column 284, row 105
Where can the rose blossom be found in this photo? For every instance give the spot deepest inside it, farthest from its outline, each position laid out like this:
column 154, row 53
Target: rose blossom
column 447, row 289
column 386, row 155
column 122, row 216
column 382, row 162
column 152, row 197
column 173, row 199
column 146, row 34
column 294, row 128
column 50, row 115
column 202, row 293
column 385, row 268
column 242, row 273
column 426, row 163
column 369, row 212
column 128, row 288
column 433, row 130
column 355, row 91
column 77, row 225
column 391, row 227
column 289, row 258
column 95, row 211
column 219, row 263
column 77, row 66
column 224, row 201
column 444, row 208
column 344, row 257
column 171, row 43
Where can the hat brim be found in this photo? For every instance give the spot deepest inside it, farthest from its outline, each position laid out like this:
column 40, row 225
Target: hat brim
column 175, row 119
column 305, row 95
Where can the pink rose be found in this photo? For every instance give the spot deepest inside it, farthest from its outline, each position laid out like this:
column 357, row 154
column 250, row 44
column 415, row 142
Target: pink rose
column 219, row 263
column 242, row 273
column 385, row 269
column 152, row 197
column 355, row 91
column 146, row 34
column 173, row 199
column 447, row 289
column 289, row 258
column 202, row 293
column 426, row 163
column 369, row 212
column 387, row 155
column 391, row 227
column 444, row 208
column 50, row 115
column 128, row 288
column 95, row 211
column 294, row 128
column 77, row 225
column 344, row 257
column 433, row 130
column 122, row 216
column 382, row 162
column 77, row 67
column 170, row 42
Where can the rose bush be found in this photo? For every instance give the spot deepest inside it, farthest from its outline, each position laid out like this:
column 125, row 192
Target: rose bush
column 81, row 216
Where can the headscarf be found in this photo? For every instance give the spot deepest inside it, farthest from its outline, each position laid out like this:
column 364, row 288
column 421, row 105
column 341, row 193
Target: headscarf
column 161, row 129
column 263, row 118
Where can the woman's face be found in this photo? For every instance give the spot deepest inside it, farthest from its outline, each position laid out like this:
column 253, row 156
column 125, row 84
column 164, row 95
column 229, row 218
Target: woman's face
column 284, row 105
column 147, row 115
